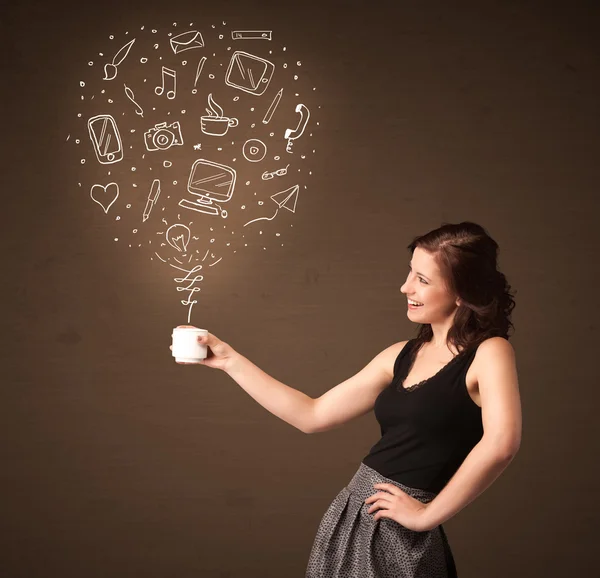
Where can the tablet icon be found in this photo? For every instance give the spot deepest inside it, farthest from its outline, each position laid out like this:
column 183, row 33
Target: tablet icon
column 249, row 73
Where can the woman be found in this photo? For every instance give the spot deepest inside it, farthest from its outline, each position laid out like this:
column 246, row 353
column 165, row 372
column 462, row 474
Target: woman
column 447, row 402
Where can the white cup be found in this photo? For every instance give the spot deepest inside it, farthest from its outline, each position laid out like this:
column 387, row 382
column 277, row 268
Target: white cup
column 186, row 348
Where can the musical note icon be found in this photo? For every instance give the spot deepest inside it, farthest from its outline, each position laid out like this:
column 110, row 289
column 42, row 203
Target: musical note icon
column 172, row 75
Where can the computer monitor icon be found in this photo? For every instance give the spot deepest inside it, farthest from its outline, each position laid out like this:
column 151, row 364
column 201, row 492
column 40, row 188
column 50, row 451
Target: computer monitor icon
column 211, row 183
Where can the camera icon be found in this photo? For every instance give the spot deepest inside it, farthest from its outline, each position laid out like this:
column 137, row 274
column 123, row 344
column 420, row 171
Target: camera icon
column 162, row 136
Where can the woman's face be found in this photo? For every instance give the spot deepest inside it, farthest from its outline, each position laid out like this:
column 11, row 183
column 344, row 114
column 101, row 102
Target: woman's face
column 426, row 285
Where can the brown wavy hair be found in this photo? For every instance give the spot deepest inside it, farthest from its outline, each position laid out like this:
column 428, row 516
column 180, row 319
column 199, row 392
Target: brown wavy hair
column 468, row 260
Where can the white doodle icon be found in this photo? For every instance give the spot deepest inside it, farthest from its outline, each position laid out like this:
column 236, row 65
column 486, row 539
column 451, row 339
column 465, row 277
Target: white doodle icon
column 105, row 195
column 285, row 200
column 249, row 73
column 110, row 69
column 273, row 107
column 168, row 76
column 278, row 173
column 251, row 34
column 254, row 150
column 186, row 41
column 178, row 236
column 162, row 136
column 293, row 134
column 152, row 199
column 106, row 139
column 212, row 183
column 216, row 124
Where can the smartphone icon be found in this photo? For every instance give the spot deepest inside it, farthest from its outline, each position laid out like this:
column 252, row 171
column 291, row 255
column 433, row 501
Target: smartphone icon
column 106, row 139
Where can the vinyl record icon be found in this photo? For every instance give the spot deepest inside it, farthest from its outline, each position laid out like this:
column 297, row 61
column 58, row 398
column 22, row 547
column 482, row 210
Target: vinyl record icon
column 254, row 150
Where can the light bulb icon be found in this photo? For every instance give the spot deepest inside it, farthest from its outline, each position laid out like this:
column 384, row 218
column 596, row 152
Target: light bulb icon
column 178, row 236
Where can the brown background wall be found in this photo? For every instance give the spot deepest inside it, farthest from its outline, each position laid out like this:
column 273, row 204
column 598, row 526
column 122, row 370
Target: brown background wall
column 117, row 462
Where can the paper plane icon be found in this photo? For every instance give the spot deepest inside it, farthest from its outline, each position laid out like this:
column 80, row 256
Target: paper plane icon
column 287, row 199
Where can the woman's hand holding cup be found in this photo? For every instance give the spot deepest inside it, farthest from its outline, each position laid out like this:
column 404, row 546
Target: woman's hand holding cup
column 194, row 346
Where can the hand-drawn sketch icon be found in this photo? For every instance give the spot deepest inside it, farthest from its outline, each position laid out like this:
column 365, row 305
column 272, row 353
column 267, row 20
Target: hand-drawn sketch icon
column 285, row 200
column 105, row 195
column 170, row 76
column 162, row 136
column 293, row 134
column 216, row 124
column 110, row 70
column 106, row 139
column 254, row 150
column 211, row 183
column 249, row 73
column 278, row 173
column 251, row 34
column 131, row 97
column 188, row 278
column 152, row 198
column 199, row 70
column 273, row 107
column 178, row 236
column 186, row 41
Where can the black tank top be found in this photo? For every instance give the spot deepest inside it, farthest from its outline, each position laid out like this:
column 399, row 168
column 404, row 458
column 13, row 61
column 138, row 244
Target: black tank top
column 426, row 430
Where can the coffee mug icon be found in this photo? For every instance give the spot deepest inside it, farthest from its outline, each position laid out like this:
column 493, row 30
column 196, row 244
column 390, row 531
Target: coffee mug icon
column 217, row 125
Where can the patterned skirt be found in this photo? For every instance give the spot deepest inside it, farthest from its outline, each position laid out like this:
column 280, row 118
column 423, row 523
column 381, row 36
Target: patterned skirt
column 351, row 544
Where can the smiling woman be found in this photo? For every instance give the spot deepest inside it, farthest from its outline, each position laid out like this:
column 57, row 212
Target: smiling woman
column 447, row 403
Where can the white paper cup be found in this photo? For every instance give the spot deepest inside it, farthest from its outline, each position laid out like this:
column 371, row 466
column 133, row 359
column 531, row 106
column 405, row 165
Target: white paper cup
column 186, row 348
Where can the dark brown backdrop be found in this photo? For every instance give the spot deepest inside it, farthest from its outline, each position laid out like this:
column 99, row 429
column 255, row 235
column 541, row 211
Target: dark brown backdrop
column 117, row 462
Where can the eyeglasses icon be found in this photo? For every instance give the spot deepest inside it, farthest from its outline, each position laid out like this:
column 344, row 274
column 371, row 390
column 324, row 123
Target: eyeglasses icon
column 278, row 173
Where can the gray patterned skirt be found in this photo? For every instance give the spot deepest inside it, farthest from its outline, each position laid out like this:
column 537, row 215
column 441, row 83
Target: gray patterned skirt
column 350, row 544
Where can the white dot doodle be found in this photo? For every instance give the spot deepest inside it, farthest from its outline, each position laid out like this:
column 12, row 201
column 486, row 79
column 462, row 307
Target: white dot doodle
column 112, row 37
column 116, row 238
column 81, row 83
column 90, row 63
column 143, row 60
column 220, row 37
column 236, row 98
column 129, row 206
column 243, row 206
column 184, row 62
column 83, row 161
column 110, row 100
column 285, row 65
column 276, row 158
column 183, row 111
column 211, row 76
column 135, row 230
column 247, row 182
column 261, row 203
column 298, row 63
column 133, row 169
column 77, row 141
column 253, row 125
column 295, row 77
column 194, row 90
column 117, row 218
column 284, row 48
column 154, row 31
column 174, row 182
column 167, row 164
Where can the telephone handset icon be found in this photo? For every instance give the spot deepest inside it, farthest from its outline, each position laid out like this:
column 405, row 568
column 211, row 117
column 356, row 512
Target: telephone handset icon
column 293, row 134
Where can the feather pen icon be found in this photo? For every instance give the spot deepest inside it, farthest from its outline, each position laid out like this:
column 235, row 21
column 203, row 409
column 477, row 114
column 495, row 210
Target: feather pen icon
column 110, row 70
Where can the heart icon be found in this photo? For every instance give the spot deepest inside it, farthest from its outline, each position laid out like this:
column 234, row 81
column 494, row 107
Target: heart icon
column 106, row 195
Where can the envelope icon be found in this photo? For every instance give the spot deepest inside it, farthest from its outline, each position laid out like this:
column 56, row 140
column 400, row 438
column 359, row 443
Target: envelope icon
column 186, row 41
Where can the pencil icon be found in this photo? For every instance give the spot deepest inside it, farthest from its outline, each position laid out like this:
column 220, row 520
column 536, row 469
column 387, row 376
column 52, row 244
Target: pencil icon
column 152, row 198
column 273, row 106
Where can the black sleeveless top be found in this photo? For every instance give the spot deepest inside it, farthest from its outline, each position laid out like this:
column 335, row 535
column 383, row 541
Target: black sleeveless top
column 426, row 430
